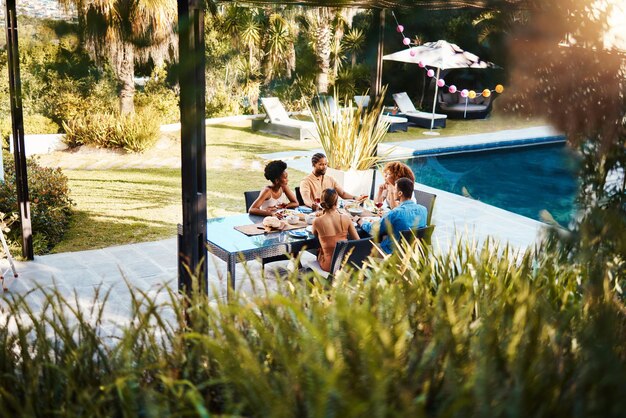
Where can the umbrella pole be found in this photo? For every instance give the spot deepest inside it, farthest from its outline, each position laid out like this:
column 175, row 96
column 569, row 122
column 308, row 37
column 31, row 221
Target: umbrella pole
column 432, row 119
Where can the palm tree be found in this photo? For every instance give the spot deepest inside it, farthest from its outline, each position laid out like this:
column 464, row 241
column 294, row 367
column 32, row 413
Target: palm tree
column 325, row 28
column 353, row 43
column 278, row 46
column 122, row 32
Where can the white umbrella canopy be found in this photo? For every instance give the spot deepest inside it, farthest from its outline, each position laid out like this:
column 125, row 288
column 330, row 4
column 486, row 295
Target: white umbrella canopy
column 442, row 55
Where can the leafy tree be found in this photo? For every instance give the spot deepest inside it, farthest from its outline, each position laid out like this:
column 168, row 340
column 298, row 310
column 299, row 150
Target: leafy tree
column 122, row 32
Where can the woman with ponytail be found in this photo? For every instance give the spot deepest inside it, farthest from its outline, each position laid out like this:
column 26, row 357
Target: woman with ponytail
column 331, row 227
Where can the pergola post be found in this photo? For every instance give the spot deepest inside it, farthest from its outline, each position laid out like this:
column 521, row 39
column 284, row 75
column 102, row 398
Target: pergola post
column 377, row 79
column 192, row 250
column 17, row 121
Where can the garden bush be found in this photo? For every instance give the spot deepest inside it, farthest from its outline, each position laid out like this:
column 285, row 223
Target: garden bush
column 50, row 203
column 159, row 97
column 133, row 133
column 468, row 333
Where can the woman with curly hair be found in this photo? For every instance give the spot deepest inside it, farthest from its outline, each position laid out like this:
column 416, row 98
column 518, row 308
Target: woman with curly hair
column 392, row 171
column 276, row 196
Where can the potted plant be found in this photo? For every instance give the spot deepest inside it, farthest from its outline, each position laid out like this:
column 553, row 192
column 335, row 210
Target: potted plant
column 350, row 137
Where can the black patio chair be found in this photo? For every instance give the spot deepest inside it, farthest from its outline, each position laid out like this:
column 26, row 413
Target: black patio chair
column 351, row 253
column 427, row 200
column 250, row 197
column 423, row 234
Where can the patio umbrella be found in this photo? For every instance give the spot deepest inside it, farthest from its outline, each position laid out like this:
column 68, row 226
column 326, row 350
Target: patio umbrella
column 441, row 55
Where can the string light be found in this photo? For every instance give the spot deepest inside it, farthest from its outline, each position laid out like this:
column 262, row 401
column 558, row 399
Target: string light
column 466, row 94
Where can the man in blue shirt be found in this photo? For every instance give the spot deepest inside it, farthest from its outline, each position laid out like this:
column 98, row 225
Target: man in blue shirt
column 406, row 215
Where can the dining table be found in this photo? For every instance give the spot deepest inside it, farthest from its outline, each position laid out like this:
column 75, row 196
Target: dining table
column 233, row 246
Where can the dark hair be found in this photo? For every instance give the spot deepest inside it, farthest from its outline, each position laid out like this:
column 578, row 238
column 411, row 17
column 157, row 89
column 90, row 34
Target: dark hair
column 275, row 169
column 329, row 199
column 316, row 158
column 406, row 186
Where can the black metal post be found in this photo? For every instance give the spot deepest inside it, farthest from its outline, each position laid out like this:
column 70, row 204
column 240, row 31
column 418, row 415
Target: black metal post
column 192, row 251
column 17, row 120
column 377, row 79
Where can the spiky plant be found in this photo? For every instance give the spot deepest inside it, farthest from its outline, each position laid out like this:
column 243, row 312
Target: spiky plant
column 350, row 136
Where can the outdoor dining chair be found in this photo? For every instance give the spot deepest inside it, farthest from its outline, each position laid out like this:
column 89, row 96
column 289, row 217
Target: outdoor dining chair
column 350, row 253
column 299, row 196
column 423, row 234
column 250, row 197
column 427, row 200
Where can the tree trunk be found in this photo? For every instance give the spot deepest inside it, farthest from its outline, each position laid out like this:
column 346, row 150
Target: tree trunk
column 323, row 39
column 126, row 79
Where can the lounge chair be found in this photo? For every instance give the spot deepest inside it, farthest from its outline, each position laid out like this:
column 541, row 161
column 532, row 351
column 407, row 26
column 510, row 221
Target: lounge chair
column 278, row 122
column 396, row 123
column 416, row 117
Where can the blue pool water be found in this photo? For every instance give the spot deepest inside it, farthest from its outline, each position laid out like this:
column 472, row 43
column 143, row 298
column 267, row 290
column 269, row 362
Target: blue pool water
column 524, row 180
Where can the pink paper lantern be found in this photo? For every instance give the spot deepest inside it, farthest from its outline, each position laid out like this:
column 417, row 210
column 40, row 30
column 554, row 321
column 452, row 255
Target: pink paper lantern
column 452, row 89
column 430, row 73
column 400, row 28
column 421, row 64
column 412, row 52
column 441, row 82
column 406, row 41
column 464, row 93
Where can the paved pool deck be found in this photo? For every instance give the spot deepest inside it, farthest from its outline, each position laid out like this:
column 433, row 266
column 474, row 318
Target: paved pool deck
column 150, row 266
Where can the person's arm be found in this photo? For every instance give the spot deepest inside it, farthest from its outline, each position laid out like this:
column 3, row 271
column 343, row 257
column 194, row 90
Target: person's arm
column 352, row 234
column 255, row 209
column 381, row 195
column 392, row 197
column 305, row 191
column 293, row 201
column 345, row 195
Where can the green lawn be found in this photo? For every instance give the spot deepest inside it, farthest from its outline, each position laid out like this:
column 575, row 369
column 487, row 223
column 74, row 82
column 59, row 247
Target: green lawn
column 123, row 205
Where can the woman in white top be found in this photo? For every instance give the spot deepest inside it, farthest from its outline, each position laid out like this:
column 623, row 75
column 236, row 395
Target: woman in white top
column 276, row 196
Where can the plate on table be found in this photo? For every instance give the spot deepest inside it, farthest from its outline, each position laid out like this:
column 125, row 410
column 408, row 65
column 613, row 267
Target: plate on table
column 298, row 233
column 370, row 218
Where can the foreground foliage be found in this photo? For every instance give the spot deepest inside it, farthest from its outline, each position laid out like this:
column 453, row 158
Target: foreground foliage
column 465, row 334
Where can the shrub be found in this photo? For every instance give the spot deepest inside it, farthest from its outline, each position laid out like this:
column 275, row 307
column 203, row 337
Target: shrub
column 468, row 333
column 133, row 133
column 159, row 97
column 50, row 204
column 66, row 98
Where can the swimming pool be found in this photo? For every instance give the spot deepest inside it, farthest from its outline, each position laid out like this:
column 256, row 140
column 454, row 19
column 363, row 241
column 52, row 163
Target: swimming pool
column 524, row 180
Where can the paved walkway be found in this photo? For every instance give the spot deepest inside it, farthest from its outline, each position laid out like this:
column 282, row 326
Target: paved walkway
column 152, row 265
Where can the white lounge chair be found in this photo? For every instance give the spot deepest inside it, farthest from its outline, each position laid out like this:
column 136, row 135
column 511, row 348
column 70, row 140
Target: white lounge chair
column 416, row 117
column 396, row 123
column 278, row 122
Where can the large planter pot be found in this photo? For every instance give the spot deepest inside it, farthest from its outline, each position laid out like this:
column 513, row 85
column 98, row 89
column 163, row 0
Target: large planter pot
column 355, row 182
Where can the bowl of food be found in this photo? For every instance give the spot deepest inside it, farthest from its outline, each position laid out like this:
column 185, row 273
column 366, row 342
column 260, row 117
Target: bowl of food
column 355, row 210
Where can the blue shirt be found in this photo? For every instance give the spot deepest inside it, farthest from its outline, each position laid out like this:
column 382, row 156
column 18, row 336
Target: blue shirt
column 406, row 215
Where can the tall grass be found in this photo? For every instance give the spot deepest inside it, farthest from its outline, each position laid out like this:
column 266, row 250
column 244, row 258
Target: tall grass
column 467, row 333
